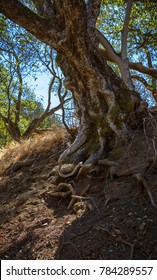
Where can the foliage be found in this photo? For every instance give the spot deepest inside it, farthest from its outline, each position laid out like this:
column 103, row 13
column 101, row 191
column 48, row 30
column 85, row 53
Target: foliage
column 30, row 107
column 108, row 107
column 141, row 40
column 22, row 58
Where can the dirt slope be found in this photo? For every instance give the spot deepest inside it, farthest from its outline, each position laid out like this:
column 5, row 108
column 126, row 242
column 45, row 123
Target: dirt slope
column 108, row 211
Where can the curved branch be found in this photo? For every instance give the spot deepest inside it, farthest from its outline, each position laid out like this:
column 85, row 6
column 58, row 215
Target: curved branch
column 143, row 69
column 122, row 62
column 138, row 66
column 151, row 88
column 109, row 50
column 13, row 53
column 20, row 90
column 49, row 94
column 36, row 122
column 42, row 28
column 143, row 81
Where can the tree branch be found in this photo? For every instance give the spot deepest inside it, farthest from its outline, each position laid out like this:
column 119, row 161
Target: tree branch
column 138, row 66
column 125, row 30
column 36, row 122
column 20, row 90
column 42, row 28
column 119, row 60
column 49, row 94
column 150, row 65
column 61, row 99
column 109, row 50
column 143, row 81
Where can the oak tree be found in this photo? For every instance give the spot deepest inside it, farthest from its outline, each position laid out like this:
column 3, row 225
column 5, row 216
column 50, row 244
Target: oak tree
column 107, row 107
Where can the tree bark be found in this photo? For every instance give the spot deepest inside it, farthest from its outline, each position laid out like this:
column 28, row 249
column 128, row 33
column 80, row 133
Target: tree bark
column 107, row 109
column 124, row 68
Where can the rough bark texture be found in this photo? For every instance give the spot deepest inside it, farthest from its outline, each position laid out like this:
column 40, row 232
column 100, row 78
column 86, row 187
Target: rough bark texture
column 106, row 108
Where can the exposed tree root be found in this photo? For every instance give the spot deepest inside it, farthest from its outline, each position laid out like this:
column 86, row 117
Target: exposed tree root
column 74, row 172
column 18, row 165
column 82, row 169
column 69, row 186
column 60, row 192
column 65, row 189
column 61, row 189
column 85, row 168
column 76, row 145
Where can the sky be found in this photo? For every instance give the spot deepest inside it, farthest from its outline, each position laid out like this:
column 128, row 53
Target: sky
column 41, row 89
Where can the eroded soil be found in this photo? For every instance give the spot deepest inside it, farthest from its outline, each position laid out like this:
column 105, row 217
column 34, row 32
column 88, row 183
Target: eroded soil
column 113, row 217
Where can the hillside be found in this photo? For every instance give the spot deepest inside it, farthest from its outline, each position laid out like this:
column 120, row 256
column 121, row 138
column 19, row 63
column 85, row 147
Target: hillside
column 104, row 211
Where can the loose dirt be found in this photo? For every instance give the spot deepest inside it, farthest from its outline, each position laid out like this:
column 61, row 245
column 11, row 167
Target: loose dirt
column 114, row 209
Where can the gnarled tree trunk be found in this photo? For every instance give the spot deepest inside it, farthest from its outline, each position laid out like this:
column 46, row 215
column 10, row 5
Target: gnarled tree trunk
column 106, row 108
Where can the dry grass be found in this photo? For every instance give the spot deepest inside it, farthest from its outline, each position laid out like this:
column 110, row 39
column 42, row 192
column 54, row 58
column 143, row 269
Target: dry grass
column 38, row 143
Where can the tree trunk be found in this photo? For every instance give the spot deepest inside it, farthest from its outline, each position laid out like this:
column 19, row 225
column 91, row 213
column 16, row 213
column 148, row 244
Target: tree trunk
column 11, row 127
column 106, row 108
